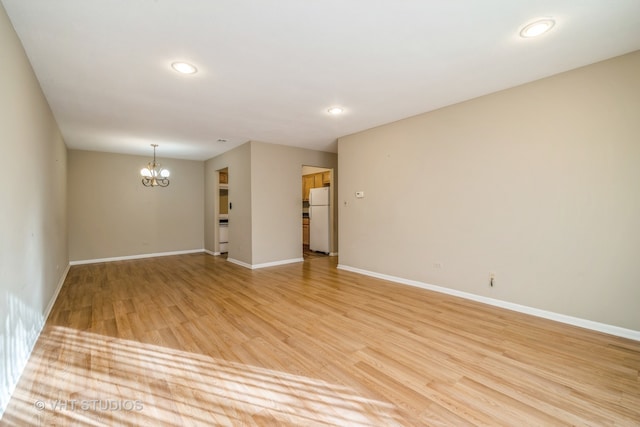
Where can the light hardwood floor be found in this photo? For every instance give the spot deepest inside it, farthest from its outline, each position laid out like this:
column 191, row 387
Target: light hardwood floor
column 196, row 340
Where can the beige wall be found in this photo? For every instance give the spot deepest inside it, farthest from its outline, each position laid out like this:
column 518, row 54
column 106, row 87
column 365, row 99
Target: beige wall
column 238, row 161
column 111, row 214
column 33, row 236
column 539, row 184
column 265, row 187
column 307, row 170
column 276, row 183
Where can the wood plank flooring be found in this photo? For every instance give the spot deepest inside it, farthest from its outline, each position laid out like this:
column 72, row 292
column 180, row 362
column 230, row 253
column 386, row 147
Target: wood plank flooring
column 196, row 340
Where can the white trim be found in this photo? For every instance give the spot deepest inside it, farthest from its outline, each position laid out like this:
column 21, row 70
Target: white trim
column 275, row 263
column 333, row 253
column 47, row 311
column 240, row 263
column 575, row 321
column 140, row 256
column 266, row 264
column 211, row 252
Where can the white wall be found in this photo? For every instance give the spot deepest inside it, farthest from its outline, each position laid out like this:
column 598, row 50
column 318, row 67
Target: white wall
column 538, row 183
column 33, row 234
column 111, row 214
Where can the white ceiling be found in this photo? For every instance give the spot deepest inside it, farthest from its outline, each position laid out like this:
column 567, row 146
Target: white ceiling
column 270, row 69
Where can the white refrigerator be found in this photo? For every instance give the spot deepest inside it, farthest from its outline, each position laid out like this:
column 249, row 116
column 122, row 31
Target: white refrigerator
column 319, row 219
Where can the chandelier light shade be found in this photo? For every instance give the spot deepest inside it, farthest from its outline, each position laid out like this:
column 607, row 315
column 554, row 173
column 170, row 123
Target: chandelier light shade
column 154, row 175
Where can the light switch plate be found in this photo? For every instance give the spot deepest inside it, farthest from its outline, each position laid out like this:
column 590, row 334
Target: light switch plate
column 359, row 194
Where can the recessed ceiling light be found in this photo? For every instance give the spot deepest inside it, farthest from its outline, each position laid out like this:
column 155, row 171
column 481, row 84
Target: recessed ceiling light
column 537, row 28
column 184, row 68
column 335, row 110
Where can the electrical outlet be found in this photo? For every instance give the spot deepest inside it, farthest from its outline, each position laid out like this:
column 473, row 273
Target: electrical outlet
column 437, row 265
column 492, row 278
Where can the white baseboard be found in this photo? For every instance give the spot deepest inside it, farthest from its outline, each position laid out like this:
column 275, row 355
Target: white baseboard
column 47, row 311
column 140, row 256
column 275, row 263
column 211, row 252
column 575, row 321
column 266, row 264
column 333, row 254
column 240, row 263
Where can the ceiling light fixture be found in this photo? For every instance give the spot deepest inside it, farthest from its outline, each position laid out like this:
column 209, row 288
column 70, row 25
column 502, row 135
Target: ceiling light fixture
column 154, row 175
column 184, row 67
column 335, row 110
column 537, row 28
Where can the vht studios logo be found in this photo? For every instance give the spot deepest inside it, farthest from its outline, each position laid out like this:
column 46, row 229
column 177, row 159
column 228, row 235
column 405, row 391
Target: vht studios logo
column 89, row 405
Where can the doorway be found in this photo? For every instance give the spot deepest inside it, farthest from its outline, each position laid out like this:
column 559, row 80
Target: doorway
column 317, row 214
column 223, row 211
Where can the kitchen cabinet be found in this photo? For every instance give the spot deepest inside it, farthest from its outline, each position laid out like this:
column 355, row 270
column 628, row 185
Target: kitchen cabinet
column 223, row 194
column 305, row 231
column 224, row 201
column 308, row 182
column 314, row 180
column 326, row 178
column 223, row 236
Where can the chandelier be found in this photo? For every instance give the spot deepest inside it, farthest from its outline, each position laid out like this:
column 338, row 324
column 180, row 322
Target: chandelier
column 154, row 175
